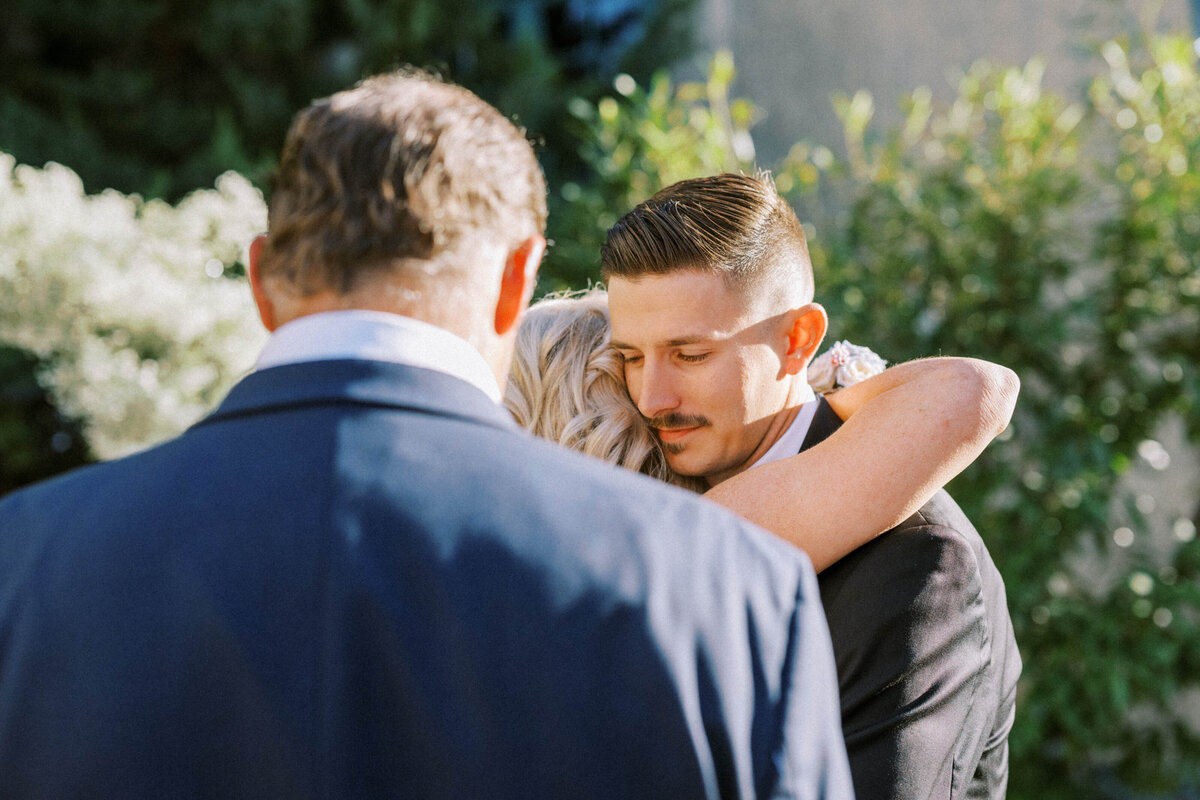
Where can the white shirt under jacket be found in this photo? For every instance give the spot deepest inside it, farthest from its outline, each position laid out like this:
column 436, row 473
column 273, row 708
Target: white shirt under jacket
column 792, row 440
column 377, row 336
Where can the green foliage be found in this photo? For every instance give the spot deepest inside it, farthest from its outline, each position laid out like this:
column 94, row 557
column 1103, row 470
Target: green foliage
column 1008, row 226
column 160, row 98
column 1151, row 247
column 1061, row 239
column 635, row 143
column 35, row 441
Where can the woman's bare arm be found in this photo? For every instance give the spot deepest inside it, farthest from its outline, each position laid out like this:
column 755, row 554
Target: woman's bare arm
column 908, row 431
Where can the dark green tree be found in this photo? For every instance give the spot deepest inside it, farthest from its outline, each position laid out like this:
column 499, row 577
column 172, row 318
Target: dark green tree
column 159, row 97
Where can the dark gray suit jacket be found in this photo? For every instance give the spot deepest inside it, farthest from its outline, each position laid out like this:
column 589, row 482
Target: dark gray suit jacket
column 927, row 663
column 361, row 580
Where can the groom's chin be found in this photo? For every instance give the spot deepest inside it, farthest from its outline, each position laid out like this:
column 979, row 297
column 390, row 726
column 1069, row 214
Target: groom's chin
column 679, row 463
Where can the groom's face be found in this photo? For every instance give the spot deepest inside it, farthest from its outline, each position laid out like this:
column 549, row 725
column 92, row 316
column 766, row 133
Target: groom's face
column 704, row 367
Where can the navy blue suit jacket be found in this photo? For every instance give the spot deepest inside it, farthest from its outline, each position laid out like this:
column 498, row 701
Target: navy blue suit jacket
column 927, row 662
column 359, row 579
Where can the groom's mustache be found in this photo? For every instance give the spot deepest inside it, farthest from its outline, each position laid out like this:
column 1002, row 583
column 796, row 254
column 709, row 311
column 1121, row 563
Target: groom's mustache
column 668, row 422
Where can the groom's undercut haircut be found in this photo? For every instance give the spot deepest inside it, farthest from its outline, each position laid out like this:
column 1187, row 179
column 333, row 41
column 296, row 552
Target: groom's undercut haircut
column 733, row 225
column 394, row 174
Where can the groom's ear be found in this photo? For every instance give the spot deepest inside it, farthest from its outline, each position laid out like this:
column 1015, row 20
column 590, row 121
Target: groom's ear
column 806, row 328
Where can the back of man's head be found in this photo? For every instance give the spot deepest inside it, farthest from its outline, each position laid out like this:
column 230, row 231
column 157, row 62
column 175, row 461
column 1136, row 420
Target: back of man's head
column 403, row 177
column 733, row 225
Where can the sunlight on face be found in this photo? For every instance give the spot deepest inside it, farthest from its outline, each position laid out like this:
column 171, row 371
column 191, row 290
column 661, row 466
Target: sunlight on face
column 703, row 367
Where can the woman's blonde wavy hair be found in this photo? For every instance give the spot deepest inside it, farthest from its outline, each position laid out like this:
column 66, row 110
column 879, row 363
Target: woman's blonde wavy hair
column 567, row 384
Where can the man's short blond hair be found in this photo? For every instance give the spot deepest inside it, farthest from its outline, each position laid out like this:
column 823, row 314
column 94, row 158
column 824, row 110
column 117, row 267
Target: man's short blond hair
column 396, row 174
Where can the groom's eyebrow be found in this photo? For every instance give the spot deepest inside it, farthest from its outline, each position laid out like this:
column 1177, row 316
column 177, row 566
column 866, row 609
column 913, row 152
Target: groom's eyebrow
column 679, row 342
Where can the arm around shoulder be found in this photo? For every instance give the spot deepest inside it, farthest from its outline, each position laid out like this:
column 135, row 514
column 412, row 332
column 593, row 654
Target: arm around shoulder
column 975, row 398
column 908, row 431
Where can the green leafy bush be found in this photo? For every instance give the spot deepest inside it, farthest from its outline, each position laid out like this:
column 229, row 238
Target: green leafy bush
column 1059, row 238
column 635, row 143
column 1000, row 226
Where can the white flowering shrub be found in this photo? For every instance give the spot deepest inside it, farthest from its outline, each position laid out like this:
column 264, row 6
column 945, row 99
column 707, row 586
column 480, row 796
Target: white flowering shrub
column 135, row 310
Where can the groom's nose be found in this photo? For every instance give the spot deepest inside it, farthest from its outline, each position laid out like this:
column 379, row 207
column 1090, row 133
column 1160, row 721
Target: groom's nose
column 657, row 393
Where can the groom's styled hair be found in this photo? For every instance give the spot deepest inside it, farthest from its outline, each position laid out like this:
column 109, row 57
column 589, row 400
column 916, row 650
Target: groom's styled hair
column 394, row 175
column 732, row 225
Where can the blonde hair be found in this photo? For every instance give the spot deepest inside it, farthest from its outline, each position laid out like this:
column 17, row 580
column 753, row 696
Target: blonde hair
column 567, row 384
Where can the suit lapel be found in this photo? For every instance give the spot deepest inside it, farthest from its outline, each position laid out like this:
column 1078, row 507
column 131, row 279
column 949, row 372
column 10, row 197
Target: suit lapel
column 824, row 423
column 369, row 383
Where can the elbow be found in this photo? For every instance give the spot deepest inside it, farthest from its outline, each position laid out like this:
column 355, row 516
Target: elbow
column 997, row 389
column 986, row 395
column 1008, row 387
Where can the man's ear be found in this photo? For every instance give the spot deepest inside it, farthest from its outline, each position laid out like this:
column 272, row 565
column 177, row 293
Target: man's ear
column 266, row 307
column 806, row 328
column 517, row 282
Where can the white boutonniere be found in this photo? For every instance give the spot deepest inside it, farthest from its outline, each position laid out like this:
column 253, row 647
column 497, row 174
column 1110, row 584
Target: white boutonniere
column 843, row 364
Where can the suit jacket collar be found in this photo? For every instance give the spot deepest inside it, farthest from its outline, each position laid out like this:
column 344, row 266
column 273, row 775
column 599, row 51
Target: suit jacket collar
column 824, row 423
column 358, row 382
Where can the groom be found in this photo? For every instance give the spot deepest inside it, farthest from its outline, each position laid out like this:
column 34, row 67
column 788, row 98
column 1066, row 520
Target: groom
column 358, row 578
column 710, row 296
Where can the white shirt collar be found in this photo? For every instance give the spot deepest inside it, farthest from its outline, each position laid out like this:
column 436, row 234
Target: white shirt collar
column 792, row 440
column 377, row 336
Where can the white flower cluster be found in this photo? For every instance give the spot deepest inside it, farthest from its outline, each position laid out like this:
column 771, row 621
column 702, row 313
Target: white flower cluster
column 125, row 302
column 843, row 364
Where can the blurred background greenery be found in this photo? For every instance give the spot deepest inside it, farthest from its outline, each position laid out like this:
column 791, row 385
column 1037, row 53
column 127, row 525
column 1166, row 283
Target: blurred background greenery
column 1058, row 234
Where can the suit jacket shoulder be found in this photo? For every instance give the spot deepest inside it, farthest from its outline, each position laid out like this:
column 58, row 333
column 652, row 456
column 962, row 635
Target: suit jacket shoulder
column 927, row 663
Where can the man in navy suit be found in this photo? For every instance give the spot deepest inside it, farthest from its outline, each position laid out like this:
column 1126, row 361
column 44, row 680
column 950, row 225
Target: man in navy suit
column 711, row 301
column 357, row 578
